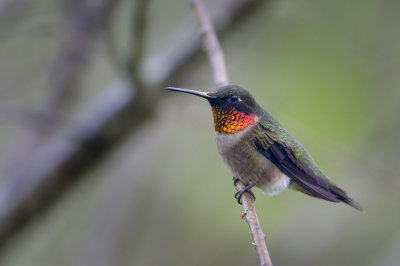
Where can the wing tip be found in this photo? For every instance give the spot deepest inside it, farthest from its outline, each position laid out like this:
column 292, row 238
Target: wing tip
column 342, row 196
column 353, row 204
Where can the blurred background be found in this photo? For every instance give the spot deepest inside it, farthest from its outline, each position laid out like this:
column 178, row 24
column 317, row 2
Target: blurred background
column 101, row 166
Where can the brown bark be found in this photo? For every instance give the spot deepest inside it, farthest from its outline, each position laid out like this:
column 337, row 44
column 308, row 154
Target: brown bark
column 217, row 61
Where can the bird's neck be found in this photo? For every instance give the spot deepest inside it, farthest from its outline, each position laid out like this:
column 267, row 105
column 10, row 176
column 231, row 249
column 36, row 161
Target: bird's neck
column 228, row 120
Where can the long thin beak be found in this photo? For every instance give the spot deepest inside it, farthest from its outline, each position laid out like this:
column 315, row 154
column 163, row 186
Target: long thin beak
column 198, row 93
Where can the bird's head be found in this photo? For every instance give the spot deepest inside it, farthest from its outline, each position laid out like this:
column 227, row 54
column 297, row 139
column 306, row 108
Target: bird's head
column 233, row 107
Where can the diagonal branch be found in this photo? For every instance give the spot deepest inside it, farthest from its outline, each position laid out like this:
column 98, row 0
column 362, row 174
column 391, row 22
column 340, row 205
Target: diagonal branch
column 255, row 227
column 215, row 55
column 29, row 188
column 42, row 153
column 85, row 20
column 184, row 42
column 218, row 65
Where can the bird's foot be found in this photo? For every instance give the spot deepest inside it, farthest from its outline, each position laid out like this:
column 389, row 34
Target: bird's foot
column 238, row 195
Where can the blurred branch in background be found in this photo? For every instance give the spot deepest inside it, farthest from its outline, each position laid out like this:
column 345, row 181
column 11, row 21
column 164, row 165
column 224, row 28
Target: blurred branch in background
column 184, row 43
column 85, row 20
column 98, row 189
column 10, row 11
column 42, row 153
column 211, row 43
column 217, row 61
column 57, row 154
column 138, row 35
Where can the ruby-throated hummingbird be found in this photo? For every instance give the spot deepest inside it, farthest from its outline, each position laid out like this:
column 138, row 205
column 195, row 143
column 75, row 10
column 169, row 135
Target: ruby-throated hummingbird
column 259, row 152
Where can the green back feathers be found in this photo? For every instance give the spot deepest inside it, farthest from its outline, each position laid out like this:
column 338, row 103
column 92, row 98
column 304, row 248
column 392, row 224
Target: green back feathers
column 269, row 131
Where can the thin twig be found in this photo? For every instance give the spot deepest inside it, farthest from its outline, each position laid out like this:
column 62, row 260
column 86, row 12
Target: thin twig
column 225, row 14
column 255, row 227
column 41, row 154
column 217, row 62
column 215, row 55
column 63, row 158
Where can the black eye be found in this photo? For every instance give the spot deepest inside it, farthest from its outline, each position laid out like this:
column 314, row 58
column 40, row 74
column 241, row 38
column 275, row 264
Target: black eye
column 234, row 98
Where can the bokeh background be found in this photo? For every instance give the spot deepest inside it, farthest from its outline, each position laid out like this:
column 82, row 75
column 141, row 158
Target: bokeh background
column 101, row 166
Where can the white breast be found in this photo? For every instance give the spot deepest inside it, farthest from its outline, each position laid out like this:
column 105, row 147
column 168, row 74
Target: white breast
column 269, row 178
column 225, row 142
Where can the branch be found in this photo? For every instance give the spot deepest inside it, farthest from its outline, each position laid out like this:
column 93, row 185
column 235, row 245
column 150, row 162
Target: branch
column 28, row 189
column 184, row 42
column 138, row 36
column 58, row 158
column 255, row 227
column 43, row 154
column 215, row 54
column 85, row 20
column 218, row 65
column 11, row 11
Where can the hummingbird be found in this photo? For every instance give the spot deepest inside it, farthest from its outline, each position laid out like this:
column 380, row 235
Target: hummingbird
column 260, row 152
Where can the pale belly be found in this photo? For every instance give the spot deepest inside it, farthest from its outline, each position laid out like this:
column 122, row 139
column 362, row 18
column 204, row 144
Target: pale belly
column 244, row 162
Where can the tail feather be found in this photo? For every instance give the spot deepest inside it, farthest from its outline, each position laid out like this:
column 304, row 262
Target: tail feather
column 342, row 196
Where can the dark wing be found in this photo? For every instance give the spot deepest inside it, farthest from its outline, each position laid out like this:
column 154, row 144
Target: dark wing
column 286, row 161
column 276, row 144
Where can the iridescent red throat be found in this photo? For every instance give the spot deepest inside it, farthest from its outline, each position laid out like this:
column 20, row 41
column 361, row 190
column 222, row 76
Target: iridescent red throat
column 228, row 120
